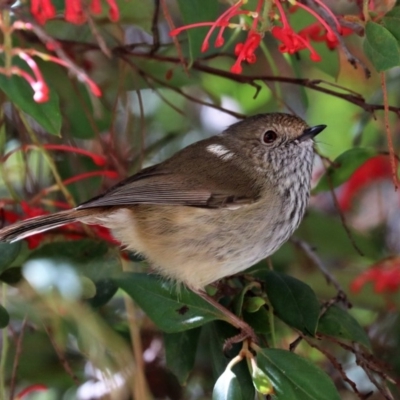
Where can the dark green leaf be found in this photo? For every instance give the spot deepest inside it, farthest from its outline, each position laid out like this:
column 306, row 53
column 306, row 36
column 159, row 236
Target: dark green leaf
column 295, row 378
column 8, row 253
column 180, row 352
column 259, row 321
column 12, row 276
column 391, row 21
column 105, row 290
column 381, row 47
column 4, row 317
column 198, row 11
column 343, row 167
column 21, row 94
column 339, row 323
column 293, row 301
column 227, row 387
column 170, row 309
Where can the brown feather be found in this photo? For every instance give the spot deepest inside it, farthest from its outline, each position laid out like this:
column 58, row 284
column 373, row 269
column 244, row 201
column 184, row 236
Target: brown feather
column 23, row 229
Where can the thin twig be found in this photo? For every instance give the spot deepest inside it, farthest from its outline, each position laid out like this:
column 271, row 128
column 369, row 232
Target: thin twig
column 338, row 366
column 341, row 215
column 181, row 92
column 64, row 362
column 139, row 387
column 18, row 351
column 387, row 130
column 154, row 27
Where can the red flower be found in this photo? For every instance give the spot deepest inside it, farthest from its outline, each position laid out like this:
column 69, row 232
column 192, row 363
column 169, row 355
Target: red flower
column 42, row 10
column 384, row 275
column 244, row 51
column 318, row 33
column 372, row 170
column 291, row 41
column 74, row 12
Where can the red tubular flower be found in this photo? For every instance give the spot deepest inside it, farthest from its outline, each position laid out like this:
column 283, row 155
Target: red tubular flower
column 38, row 84
column 221, row 22
column 30, row 389
column 114, row 10
column 74, row 12
column 385, row 276
column 374, row 169
column 291, row 41
column 244, row 51
column 42, row 10
column 96, row 8
column 96, row 158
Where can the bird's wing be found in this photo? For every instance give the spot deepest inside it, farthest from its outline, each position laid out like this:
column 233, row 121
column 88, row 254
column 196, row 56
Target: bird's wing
column 159, row 186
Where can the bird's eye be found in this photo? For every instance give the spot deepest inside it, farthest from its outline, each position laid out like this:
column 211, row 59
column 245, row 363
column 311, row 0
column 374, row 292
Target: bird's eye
column 269, row 137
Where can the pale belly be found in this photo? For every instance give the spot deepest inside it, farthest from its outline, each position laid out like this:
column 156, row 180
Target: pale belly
column 198, row 246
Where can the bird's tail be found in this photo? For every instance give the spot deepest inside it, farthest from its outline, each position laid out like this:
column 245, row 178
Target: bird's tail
column 29, row 227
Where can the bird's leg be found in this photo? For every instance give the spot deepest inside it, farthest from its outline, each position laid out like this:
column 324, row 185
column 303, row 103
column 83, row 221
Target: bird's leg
column 246, row 331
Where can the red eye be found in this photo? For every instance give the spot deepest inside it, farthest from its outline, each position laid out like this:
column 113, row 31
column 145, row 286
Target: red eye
column 269, row 137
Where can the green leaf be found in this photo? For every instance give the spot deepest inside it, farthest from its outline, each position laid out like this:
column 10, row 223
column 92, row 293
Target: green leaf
column 227, row 387
column 259, row 321
column 105, row 290
column 295, row 378
column 253, row 304
column 391, row 21
column 294, row 302
column 21, row 94
column 4, row 317
column 8, row 253
column 180, row 352
column 170, row 309
column 197, row 11
column 261, row 381
column 343, row 167
column 88, row 288
column 381, row 47
column 11, row 276
column 338, row 323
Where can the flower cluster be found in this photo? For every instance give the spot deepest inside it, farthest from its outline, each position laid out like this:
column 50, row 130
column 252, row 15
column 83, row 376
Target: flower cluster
column 75, row 11
column 43, row 10
column 385, row 276
column 291, row 41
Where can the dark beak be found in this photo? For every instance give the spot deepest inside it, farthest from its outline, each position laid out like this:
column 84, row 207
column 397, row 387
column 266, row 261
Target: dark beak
column 310, row 133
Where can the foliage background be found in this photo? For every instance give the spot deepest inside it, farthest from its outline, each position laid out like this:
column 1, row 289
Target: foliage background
column 70, row 330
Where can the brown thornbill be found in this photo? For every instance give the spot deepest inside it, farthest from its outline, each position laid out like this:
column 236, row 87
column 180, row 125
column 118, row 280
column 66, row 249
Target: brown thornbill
column 213, row 209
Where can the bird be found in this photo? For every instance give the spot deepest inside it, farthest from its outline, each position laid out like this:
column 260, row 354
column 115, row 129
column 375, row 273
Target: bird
column 213, row 209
